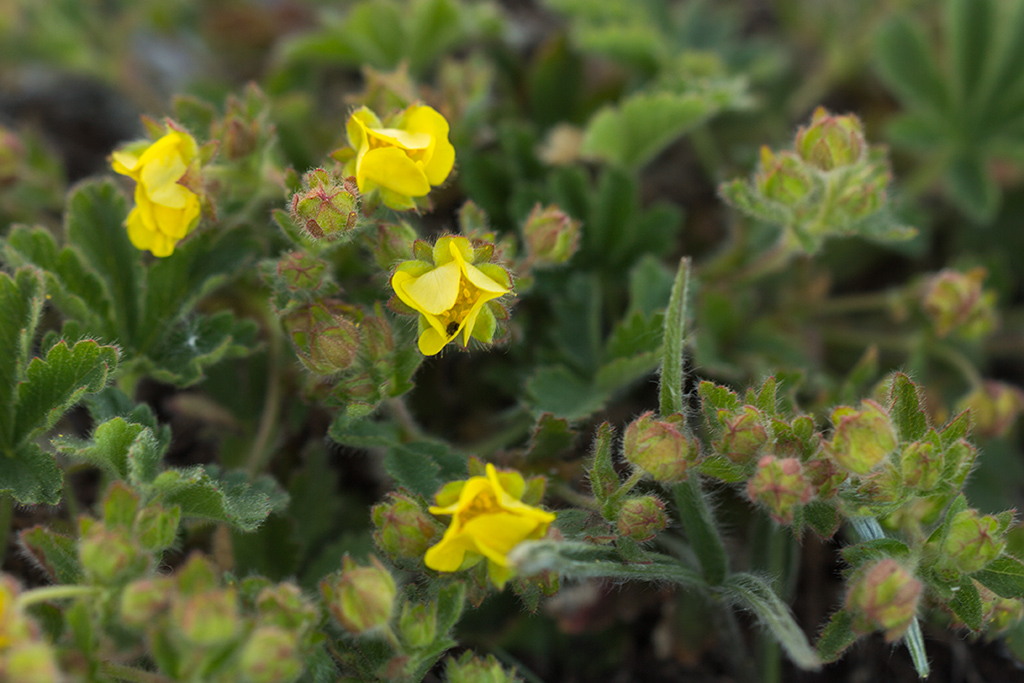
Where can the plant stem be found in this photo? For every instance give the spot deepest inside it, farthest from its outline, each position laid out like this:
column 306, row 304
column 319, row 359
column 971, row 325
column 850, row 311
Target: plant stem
column 570, row 495
column 49, row 593
column 260, row 452
column 131, row 674
column 959, row 362
column 700, row 528
column 400, row 412
column 6, row 520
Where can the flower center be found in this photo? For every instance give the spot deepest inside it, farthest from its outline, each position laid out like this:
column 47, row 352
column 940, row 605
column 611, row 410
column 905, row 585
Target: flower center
column 483, row 503
column 464, row 302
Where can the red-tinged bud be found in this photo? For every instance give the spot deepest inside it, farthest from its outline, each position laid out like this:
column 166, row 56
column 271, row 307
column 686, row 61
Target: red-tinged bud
column 831, row 141
column 471, row 669
column 326, row 207
column 271, row 655
column 551, row 235
column 780, row 485
column 782, row 177
column 743, row 434
column 207, row 619
column 156, row 528
column 973, row 541
column 285, row 606
column 392, row 243
column 882, row 486
column 921, row 465
column 301, row 272
column 403, row 529
column 417, row 623
column 239, row 137
column 29, row 662
column 825, row 475
column 110, row 556
column 884, row 596
column 660, row 447
column 998, row 613
column 378, row 342
column 325, row 339
column 143, row 601
column 641, row 518
column 862, row 438
column 994, row 407
column 361, row 598
column 956, row 301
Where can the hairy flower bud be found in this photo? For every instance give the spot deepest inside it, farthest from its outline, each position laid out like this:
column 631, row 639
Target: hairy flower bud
column 780, row 485
column 209, row 618
column 956, row 301
column 660, row 447
column 831, row 141
column 142, row 601
column 110, row 556
column 157, row 528
column 641, row 518
column 471, row 669
column 301, row 272
column 325, row 207
column 392, row 243
column 325, row 338
column 782, row 177
column 862, row 438
column 284, row 605
column 994, row 407
column 417, row 623
column 403, row 529
column 552, row 236
column 271, row 655
column 361, row 598
column 743, row 434
column 884, row 596
column 921, row 466
column 29, row 662
column 973, row 541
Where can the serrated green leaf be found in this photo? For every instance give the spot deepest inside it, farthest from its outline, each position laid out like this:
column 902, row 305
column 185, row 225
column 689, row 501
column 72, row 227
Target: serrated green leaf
column 410, row 467
column 551, row 437
column 966, row 605
column 972, row 188
column 181, row 356
column 231, row 498
column 54, row 385
column 907, row 64
column 557, row 390
column 1004, row 576
column 55, row 553
column 21, row 300
column 837, row 636
column 907, row 413
column 364, row 432
column 822, row 517
column 31, row 476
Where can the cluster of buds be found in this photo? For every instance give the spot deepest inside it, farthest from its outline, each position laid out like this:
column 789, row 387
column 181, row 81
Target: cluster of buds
column 360, row 597
column 830, row 141
column 661, row 447
column 246, row 124
column 956, row 301
column 994, row 407
column 472, row 669
column 326, row 207
column 884, row 596
column 551, row 236
column 742, row 435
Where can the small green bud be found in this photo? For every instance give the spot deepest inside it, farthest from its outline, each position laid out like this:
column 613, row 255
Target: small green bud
column 782, row 177
column 284, row 605
column 403, row 529
column 471, row 669
column 418, row 623
column 362, row 597
column 239, row 137
column 378, row 342
column 994, row 407
column 325, row 207
column 29, row 662
column 197, row 575
column 143, row 601
column 921, row 466
column 157, row 528
column 884, row 596
column 864, row 192
column 831, row 141
column 325, row 338
column 271, row 655
column 973, row 541
column 110, row 556
column 825, row 475
column 551, row 235
column 641, row 518
column 120, row 503
column 780, row 485
column 207, row 619
column 660, row 448
column 862, row 438
column 956, row 301
column 392, row 243
column 301, row 272
column 743, row 434
column 883, row 485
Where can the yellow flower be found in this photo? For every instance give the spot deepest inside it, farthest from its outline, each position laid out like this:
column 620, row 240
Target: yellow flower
column 165, row 210
column 488, row 520
column 450, row 294
column 403, row 159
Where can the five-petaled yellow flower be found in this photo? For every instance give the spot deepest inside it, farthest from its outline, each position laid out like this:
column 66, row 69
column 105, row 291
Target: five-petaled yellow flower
column 451, row 294
column 403, row 159
column 165, row 210
column 489, row 519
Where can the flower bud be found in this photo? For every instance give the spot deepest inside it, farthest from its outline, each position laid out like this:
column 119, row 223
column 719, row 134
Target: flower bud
column 956, row 301
column 782, row 177
column 271, row 655
column 973, row 541
column 865, row 192
column 641, row 518
column 418, row 623
column 403, row 528
column 882, row 485
column 994, row 407
column 780, row 484
column 825, row 475
column 324, row 337
column 831, row 141
column 392, row 243
column 551, row 236
column 660, row 448
column 142, row 601
column 998, row 613
column 325, row 208
column 284, row 605
column 884, row 596
column 207, row 619
column 156, row 528
column 239, row 137
column 29, row 662
column 471, row 669
column 862, row 438
column 743, row 436
column 301, row 272
column 377, row 340
column 921, row 466
column 110, row 556
column 362, row 597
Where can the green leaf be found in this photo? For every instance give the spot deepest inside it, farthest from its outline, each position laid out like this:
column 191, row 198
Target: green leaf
column 451, row 601
column 621, row 372
column 1004, row 576
column 907, row 412
column 956, row 429
column 875, row 549
column 723, row 469
column 557, row 390
column 31, row 476
column 972, row 188
column 21, row 300
column 670, row 387
column 752, row 593
column 695, row 515
column 95, row 227
column 650, row 286
column 907, row 64
column 414, row 468
column 822, row 517
column 551, row 437
column 53, row 386
column 604, row 480
column 181, row 356
column 970, row 29
column 364, row 432
column 837, row 636
column 635, row 334
column 55, row 553
column 231, row 498
column 966, row 605
column 435, row 26
column 919, row 130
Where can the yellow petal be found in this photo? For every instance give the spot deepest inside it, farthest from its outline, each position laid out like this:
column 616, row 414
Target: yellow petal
column 356, row 126
column 125, row 163
column 431, row 342
column 481, row 281
column 424, row 119
column 449, row 553
column 399, row 138
column 435, row 291
column 390, row 167
column 161, row 177
column 494, row 535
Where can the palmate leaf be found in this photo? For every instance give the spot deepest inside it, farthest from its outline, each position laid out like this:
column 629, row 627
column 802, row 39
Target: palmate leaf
column 21, row 300
column 180, row 357
column 31, row 476
column 55, row 553
column 202, row 493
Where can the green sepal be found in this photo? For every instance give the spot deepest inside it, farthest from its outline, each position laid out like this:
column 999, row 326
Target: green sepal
column 55, row 553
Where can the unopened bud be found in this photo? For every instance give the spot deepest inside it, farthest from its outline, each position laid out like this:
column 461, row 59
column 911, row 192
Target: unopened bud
column 110, row 556
column 325, row 338
column 362, row 597
column 418, row 623
column 142, row 601
column 284, row 605
column 403, row 529
column 301, row 272
column 780, row 485
column 956, row 301
column 207, row 619
column 325, row 207
column 552, row 236
column 271, row 655
column 884, row 596
column 782, row 177
column 921, row 465
column 157, row 528
column 239, row 137
column 994, row 407
column 831, row 141
column 881, row 486
column 862, row 438
column 471, row 669
column 641, row 518
column 825, row 475
column 29, row 662
column 973, row 541
column 378, row 342
column 743, row 434
column 660, row 447
column 392, row 243
column 998, row 613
